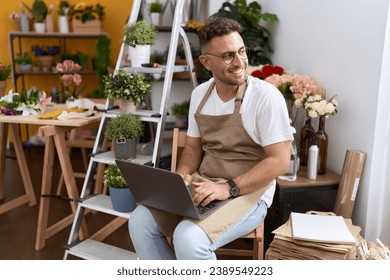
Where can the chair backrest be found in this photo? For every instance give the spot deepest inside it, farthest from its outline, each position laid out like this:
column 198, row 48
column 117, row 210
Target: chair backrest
column 178, row 142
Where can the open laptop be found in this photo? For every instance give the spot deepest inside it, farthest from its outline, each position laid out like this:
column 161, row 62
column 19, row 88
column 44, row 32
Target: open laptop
column 164, row 190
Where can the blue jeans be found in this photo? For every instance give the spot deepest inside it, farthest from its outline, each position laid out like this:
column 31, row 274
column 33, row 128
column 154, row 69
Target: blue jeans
column 190, row 242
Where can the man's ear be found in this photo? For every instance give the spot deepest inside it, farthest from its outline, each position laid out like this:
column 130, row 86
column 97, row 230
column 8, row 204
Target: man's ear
column 205, row 62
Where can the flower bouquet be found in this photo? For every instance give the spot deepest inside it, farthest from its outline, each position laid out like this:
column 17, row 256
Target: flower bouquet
column 26, row 103
column 317, row 106
column 295, row 87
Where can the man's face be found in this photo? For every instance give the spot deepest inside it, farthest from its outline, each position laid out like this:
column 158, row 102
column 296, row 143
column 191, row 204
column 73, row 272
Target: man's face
column 225, row 57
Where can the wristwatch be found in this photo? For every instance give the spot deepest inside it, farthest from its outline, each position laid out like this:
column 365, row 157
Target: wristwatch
column 234, row 189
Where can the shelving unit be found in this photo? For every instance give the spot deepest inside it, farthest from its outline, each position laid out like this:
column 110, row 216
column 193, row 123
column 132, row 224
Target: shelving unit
column 16, row 46
column 94, row 247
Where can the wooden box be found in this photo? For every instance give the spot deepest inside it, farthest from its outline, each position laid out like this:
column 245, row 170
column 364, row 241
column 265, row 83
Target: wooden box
column 92, row 26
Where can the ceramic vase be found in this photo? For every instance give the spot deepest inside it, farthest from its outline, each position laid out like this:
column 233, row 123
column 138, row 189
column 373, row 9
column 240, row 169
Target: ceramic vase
column 122, row 199
column 39, row 27
column 127, row 106
column 138, row 55
column 24, row 23
column 63, row 24
column 49, row 23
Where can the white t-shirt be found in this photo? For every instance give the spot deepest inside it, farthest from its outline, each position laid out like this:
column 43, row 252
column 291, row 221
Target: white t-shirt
column 264, row 114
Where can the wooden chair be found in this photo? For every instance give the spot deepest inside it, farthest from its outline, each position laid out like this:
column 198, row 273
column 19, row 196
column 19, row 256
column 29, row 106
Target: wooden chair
column 257, row 235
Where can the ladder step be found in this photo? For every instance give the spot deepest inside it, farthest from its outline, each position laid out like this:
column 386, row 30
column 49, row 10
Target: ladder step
column 109, row 157
column 102, row 203
column 94, row 250
column 159, row 70
column 144, row 115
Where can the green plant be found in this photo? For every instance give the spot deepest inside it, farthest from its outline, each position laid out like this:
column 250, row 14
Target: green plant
column 23, row 58
column 140, row 33
column 181, row 109
column 101, row 63
column 113, row 177
column 63, row 8
column 157, row 57
column 78, row 57
column 39, row 10
column 156, row 7
column 130, row 86
column 255, row 36
column 126, row 126
column 5, row 71
column 86, row 13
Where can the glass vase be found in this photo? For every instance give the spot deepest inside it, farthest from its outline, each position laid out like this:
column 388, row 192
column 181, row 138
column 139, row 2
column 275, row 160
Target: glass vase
column 291, row 174
column 305, row 141
column 322, row 138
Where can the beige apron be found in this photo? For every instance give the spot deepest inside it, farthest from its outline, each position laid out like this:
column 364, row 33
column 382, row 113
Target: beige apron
column 229, row 152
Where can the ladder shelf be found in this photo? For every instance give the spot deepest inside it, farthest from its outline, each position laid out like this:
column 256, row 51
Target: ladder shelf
column 94, row 247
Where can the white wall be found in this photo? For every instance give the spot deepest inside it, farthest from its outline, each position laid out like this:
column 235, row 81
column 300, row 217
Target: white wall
column 340, row 44
column 345, row 46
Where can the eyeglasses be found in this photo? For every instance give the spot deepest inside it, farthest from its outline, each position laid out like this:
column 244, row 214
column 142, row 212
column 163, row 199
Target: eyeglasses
column 228, row 57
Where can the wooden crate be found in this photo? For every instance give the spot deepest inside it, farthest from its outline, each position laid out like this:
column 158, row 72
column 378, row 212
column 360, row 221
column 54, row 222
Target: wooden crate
column 92, row 26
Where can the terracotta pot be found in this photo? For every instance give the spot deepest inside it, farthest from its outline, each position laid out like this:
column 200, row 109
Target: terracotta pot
column 46, row 60
column 3, row 86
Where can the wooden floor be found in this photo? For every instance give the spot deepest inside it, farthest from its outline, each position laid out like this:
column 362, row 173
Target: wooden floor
column 18, row 226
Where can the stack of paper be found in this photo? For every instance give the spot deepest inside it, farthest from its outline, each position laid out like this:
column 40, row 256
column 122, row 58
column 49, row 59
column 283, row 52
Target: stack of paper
column 314, row 237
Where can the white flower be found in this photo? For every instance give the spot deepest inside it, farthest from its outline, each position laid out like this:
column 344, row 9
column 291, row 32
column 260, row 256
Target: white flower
column 9, row 97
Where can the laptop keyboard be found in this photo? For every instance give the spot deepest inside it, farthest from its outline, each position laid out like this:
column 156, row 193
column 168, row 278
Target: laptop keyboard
column 204, row 209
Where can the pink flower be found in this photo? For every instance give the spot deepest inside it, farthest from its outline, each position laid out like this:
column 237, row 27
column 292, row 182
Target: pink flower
column 295, row 88
column 69, row 70
column 43, row 101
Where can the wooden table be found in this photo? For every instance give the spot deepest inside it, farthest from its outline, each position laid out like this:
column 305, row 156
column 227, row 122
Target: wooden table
column 55, row 132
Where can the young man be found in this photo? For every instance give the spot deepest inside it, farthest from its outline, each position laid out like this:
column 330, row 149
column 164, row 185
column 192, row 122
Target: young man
column 238, row 142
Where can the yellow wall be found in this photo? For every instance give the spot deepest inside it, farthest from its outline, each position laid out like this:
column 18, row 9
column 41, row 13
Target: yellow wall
column 117, row 12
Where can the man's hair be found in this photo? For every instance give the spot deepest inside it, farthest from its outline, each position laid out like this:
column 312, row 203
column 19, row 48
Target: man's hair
column 217, row 26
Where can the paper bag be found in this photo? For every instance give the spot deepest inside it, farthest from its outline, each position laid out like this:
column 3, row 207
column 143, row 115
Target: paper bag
column 349, row 183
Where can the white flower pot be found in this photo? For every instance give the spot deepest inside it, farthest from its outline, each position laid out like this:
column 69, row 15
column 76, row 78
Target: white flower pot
column 127, row 106
column 40, row 27
column 139, row 55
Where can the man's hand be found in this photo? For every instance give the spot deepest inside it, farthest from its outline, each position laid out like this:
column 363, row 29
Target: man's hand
column 205, row 192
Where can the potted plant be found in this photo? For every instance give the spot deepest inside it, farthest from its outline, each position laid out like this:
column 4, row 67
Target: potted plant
column 5, row 71
column 86, row 18
column 180, row 111
column 45, row 55
column 63, row 11
column 131, row 87
column 101, row 63
column 40, row 10
column 139, row 36
column 24, row 61
column 255, row 36
column 124, row 130
column 121, row 198
column 155, row 9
